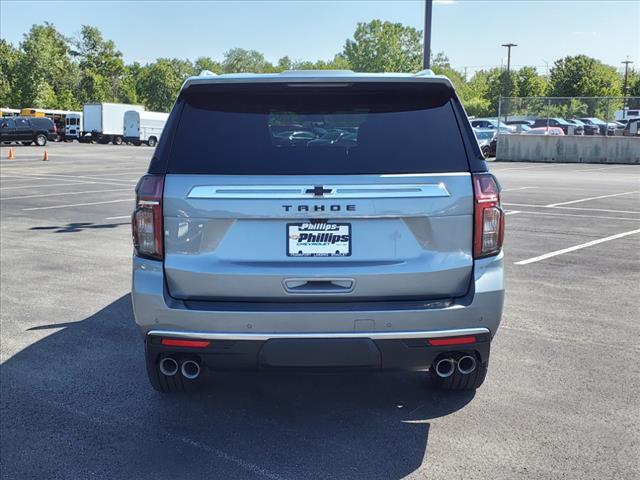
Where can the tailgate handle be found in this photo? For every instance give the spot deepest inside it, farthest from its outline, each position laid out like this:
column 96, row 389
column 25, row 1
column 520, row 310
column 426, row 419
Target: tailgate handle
column 319, row 285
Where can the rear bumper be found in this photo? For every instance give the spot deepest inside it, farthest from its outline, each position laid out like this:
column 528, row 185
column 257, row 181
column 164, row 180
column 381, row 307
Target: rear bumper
column 355, row 352
column 387, row 330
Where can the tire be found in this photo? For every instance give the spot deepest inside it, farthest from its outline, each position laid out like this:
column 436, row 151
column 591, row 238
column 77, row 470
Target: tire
column 117, row 140
column 26, row 144
column 485, row 152
column 137, row 143
column 459, row 381
column 152, row 141
column 169, row 384
column 41, row 140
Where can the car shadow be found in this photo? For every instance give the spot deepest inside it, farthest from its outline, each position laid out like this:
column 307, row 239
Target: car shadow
column 77, row 403
column 78, row 227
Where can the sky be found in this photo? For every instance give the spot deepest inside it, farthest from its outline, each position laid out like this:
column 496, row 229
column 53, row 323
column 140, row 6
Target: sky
column 470, row 32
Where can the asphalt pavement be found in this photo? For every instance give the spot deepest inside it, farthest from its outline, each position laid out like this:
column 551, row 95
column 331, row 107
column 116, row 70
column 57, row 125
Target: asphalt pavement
column 561, row 399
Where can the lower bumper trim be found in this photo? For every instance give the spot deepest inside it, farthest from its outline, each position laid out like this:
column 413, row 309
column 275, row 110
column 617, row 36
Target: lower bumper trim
column 322, row 335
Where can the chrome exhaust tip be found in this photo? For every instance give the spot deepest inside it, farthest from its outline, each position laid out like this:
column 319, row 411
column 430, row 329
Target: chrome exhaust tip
column 467, row 364
column 445, row 367
column 168, row 366
column 190, row 369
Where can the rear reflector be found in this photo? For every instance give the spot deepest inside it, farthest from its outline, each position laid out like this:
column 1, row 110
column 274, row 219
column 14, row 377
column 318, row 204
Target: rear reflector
column 174, row 342
column 440, row 342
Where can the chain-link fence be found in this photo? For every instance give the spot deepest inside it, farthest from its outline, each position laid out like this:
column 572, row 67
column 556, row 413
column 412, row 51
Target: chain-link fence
column 570, row 115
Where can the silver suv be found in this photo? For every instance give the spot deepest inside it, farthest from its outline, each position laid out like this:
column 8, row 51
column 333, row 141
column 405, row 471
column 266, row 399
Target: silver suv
column 317, row 220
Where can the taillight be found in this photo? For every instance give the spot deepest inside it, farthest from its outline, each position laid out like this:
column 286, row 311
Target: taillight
column 147, row 217
column 488, row 217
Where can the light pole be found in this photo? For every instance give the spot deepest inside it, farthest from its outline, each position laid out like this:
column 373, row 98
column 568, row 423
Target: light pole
column 509, row 46
column 426, row 58
column 624, row 88
column 508, row 78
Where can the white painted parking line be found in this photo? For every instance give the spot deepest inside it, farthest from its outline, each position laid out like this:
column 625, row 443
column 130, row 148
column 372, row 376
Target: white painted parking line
column 118, row 218
column 533, row 205
column 67, row 193
column 590, row 198
column 18, row 187
column 51, row 207
column 576, row 247
column 551, row 214
column 80, row 178
column 516, row 189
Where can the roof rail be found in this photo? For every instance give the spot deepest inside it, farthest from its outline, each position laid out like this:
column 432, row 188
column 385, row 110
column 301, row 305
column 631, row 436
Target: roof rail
column 207, row 73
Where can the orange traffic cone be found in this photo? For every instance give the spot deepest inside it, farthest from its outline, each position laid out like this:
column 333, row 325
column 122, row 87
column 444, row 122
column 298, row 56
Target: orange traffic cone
column 10, row 153
column 46, row 157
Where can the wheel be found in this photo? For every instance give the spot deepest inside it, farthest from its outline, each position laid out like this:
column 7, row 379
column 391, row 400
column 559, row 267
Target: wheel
column 152, row 141
column 117, row 140
column 26, row 144
column 168, row 383
column 137, row 143
column 461, row 381
column 41, row 140
column 485, row 151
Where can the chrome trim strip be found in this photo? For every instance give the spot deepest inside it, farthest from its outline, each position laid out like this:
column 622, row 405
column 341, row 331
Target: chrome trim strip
column 389, row 190
column 267, row 336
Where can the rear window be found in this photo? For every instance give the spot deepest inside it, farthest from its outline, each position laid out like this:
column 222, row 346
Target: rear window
column 303, row 129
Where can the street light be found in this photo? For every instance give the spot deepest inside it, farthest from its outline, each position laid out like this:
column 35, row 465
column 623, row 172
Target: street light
column 509, row 46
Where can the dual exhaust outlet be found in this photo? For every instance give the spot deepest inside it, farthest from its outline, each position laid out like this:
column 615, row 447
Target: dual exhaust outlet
column 190, row 369
column 445, row 367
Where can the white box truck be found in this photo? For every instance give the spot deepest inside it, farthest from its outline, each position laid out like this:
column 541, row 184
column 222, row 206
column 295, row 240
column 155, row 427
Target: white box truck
column 102, row 122
column 143, row 127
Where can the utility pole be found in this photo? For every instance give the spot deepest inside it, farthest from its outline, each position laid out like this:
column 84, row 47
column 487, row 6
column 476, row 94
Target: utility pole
column 428, row 9
column 624, row 88
column 508, row 79
column 509, row 46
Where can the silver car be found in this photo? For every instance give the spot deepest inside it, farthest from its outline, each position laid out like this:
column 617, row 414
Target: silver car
column 255, row 250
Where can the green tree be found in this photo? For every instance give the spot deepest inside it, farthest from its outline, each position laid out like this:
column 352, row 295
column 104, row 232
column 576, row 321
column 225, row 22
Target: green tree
column 44, row 74
column 239, row 60
column 384, row 47
column 583, row 76
column 207, row 63
column 440, row 65
column 530, row 84
column 160, row 82
column 102, row 69
column 9, row 57
column 633, row 89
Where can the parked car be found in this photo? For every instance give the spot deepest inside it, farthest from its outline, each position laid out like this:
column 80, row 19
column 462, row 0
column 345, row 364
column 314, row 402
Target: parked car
column 632, row 127
column 27, row 130
column 566, row 127
column 487, row 140
column 545, row 131
column 492, row 124
column 252, row 256
column 604, row 128
column 588, row 129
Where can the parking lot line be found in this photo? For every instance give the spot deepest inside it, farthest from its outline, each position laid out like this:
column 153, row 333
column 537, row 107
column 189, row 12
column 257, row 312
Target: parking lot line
column 83, row 177
column 552, row 214
column 533, row 205
column 51, row 207
column 515, row 189
column 119, row 217
column 575, row 247
column 66, row 193
column 590, row 198
column 18, row 187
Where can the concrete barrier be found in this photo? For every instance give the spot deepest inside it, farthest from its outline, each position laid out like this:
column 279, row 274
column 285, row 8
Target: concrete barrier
column 568, row 148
